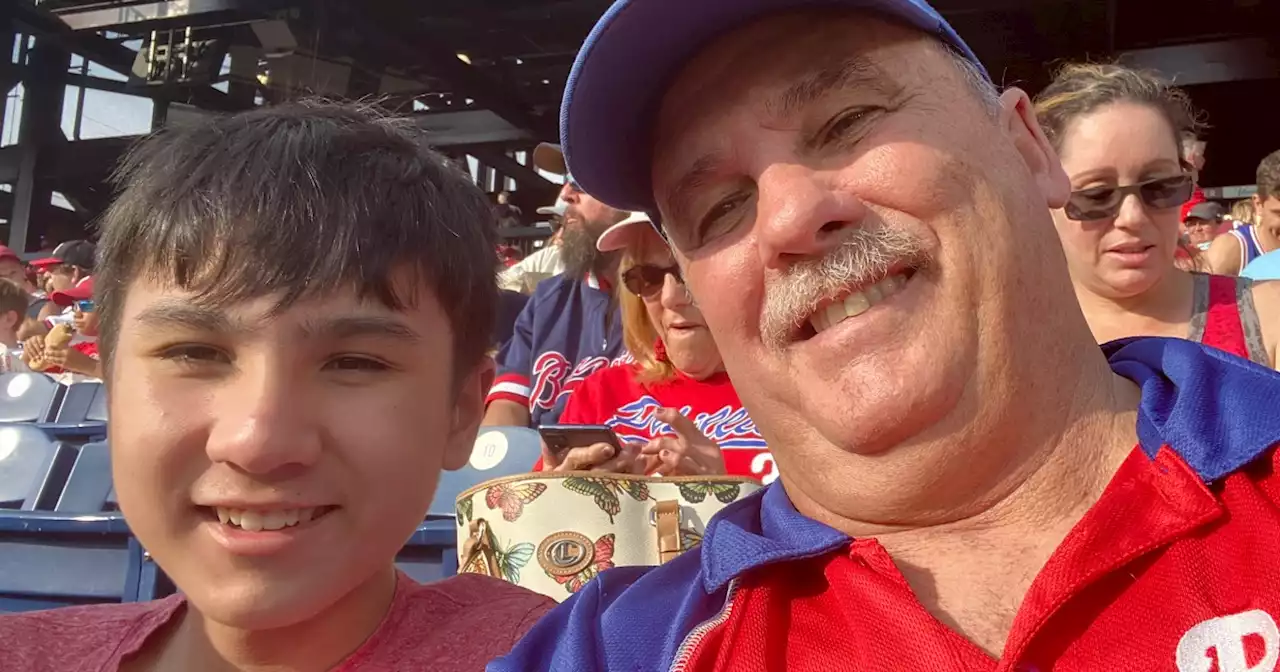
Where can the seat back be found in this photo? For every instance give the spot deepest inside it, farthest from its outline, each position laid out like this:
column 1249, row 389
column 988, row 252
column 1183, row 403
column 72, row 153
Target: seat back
column 89, row 483
column 498, row 452
column 33, row 468
column 29, row 397
column 431, row 553
column 81, row 403
column 49, row 560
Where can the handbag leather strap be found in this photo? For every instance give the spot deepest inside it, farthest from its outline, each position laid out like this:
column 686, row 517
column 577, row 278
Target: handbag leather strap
column 667, row 522
column 478, row 544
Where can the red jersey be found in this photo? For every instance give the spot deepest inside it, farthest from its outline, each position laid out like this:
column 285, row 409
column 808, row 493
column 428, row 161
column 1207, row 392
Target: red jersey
column 1173, row 568
column 612, row 396
column 455, row 624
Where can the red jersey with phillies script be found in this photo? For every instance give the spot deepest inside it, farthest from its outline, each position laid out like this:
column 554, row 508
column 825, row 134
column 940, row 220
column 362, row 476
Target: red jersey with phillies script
column 614, row 397
column 1173, row 568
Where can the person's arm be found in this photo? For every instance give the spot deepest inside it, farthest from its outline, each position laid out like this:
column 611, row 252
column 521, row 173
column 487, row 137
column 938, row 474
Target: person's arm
column 508, row 402
column 71, row 359
column 1223, row 255
column 1266, row 302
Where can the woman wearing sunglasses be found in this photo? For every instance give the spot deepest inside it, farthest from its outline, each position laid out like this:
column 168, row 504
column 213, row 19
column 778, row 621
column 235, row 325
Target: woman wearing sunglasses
column 1119, row 135
column 673, row 409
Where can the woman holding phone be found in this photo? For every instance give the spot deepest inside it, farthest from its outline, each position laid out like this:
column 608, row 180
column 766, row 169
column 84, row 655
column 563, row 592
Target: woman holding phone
column 1119, row 132
column 673, row 410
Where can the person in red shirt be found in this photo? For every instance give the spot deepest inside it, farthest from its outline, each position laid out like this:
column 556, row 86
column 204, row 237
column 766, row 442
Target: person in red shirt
column 674, row 408
column 967, row 481
column 292, row 352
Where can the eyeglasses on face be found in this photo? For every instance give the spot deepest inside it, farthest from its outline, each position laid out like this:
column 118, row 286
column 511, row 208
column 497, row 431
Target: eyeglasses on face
column 646, row 280
column 1097, row 203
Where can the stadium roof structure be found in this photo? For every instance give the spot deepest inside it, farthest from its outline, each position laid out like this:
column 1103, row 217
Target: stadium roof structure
column 485, row 76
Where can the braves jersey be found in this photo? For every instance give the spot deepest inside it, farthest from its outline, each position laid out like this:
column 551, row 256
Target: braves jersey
column 613, row 397
column 569, row 329
column 1173, row 568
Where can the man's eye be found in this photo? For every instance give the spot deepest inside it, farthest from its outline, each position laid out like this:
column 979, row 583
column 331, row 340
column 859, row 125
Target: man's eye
column 353, row 363
column 845, row 124
column 190, row 354
column 720, row 216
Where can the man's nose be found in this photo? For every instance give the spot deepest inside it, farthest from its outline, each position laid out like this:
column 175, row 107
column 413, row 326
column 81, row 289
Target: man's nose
column 800, row 215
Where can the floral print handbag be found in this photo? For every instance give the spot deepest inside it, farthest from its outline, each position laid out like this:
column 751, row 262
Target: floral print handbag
column 553, row 532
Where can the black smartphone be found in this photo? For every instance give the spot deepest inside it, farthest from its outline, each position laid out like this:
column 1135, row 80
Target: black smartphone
column 561, row 438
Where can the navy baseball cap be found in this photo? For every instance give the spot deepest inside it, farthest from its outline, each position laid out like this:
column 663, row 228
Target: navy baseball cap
column 629, row 60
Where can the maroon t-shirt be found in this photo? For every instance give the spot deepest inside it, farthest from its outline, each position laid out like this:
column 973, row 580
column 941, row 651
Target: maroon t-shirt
column 456, row 624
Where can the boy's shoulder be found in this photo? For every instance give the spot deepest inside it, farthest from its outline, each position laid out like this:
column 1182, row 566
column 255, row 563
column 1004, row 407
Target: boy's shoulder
column 85, row 637
column 459, row 623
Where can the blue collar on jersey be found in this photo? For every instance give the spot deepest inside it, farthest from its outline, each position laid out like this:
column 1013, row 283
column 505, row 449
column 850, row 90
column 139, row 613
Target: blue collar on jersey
column 1216, row 410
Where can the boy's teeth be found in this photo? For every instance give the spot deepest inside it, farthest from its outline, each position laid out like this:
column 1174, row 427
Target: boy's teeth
column 856, row 304
column 257, row 521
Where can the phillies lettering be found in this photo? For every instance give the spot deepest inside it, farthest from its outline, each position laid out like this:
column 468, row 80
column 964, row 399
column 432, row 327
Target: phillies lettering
column 1222, row 641
column 729, row 427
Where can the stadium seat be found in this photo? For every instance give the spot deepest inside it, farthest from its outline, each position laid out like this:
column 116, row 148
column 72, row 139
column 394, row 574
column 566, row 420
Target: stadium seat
column 431, row 553
column 33, row 468
column 89, row 484
column 498, row 452
column 29, row 397
column 82, row 414
column 53, row 560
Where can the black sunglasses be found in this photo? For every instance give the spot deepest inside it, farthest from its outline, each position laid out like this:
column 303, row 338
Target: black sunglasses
column 1097, row 203
column 646, row 281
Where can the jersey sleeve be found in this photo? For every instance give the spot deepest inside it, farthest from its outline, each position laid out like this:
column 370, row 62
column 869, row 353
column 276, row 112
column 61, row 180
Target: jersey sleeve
column 515, row 361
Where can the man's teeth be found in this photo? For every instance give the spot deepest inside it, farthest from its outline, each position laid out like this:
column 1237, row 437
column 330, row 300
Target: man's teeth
column 257, row 521
column 857, row 303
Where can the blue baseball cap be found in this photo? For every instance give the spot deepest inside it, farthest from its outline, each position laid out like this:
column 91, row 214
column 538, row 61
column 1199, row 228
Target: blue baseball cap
column 629, row 59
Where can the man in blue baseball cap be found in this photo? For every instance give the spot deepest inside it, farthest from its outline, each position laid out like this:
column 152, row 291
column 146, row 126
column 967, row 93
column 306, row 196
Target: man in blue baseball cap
column 967, row 482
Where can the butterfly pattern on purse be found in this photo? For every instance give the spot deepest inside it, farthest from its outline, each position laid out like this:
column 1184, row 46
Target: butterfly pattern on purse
column 605, row 491
column 511, row 498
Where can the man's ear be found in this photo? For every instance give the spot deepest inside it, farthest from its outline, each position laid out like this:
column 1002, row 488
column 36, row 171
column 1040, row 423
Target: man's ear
column 468, row 411
column 1018, row 118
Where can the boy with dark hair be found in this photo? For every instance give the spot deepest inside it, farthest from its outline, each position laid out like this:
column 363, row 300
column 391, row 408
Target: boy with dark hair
column 295, row 304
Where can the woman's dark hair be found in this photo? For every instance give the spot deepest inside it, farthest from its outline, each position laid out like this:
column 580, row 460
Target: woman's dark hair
column 299, row 200
column 1079, row 89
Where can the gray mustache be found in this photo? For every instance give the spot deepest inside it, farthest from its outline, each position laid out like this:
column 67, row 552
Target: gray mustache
column 865, row 256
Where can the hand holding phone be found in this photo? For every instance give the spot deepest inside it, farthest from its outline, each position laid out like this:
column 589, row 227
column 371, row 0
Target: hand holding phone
column 586, row 447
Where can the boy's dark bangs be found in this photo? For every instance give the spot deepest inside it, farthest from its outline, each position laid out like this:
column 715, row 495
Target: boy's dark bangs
column 281, row 212
column 296, row 201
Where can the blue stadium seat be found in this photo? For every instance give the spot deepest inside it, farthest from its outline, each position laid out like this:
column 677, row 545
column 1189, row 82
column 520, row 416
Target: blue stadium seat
column 498, row 452
column 89, row 484
column 33, row 468
column 431, row 553
column 53, row 560
column 29, row 397
column 81, row 415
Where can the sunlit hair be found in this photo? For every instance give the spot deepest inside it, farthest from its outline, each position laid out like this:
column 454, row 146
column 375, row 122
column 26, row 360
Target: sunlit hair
column 294, row 201
column 1269, row 176
column 638, row 331
column 1079, row 89
column 1243, row 211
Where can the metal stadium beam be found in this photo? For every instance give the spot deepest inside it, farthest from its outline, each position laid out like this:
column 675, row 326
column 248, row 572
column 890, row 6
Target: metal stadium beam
column 31, row 19
column 409, row 42
column 1210, row 62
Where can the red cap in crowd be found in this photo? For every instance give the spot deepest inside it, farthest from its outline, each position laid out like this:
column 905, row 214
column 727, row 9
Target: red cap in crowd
column 83, row 291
